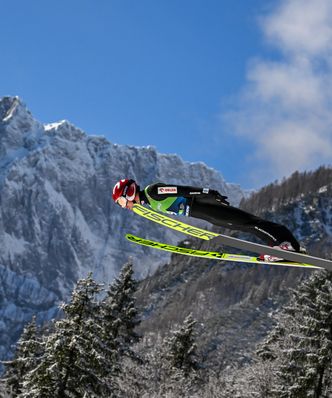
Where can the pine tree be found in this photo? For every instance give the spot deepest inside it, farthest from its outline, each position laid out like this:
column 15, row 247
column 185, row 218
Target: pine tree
column 310, row 351
column 136, row 379
column 74, row 361
column 120, row 316
column 28, row 351
column 301, row 346
column 179, row 361
column 180, row 348
column 169, row 368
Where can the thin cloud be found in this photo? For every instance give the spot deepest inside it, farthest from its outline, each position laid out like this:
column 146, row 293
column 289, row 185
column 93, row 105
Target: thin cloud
column 285, row 108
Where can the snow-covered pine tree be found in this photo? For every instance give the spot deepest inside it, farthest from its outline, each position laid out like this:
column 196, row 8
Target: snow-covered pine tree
column 302, row 347
column 179, row 363
column 266, row 350
column 169, row 368
column 119, row 320
column 28, row 351
column 119, row 313
column 145, row 378
column 180, row 347
column 74, row 361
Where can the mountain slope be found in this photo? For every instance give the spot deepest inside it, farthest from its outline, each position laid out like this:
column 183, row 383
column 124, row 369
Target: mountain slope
column 232, row 302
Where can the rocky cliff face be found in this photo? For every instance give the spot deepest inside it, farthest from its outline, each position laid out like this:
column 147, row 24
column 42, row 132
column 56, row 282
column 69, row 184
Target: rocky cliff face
column 57, row 218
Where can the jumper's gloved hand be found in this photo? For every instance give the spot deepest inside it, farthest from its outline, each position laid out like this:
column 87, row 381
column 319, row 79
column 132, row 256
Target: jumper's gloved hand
column 219, row 198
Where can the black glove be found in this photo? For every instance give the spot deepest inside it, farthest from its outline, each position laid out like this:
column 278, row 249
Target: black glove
column 219, row 198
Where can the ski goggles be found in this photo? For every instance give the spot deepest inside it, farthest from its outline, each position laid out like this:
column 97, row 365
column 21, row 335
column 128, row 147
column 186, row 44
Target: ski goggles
column 122, row 202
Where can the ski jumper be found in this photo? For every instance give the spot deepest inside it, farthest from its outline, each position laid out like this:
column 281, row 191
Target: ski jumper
column 205, row 204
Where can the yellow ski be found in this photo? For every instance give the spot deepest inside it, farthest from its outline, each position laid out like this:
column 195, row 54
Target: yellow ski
column 211, row 255
column 169, row 222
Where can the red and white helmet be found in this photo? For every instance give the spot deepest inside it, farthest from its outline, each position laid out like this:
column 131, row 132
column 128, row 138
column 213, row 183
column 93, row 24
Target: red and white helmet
column 126, row 188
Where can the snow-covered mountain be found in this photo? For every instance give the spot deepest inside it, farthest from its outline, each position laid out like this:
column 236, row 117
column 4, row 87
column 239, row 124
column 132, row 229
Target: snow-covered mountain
column 57, row 217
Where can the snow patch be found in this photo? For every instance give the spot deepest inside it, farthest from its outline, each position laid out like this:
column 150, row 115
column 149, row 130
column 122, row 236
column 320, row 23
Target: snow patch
column 11, row 111
column 322, row 189
column 13, row 246
column 54, row 126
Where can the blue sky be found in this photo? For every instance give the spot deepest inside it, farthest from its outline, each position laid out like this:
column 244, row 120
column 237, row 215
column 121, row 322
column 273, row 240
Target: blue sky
column 207, row 80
